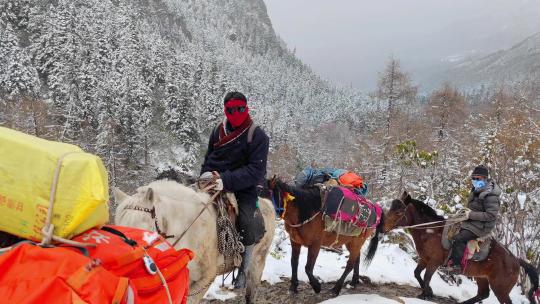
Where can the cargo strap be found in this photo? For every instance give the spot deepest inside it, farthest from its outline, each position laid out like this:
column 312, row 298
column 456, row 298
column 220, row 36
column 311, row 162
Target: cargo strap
column 48, row 228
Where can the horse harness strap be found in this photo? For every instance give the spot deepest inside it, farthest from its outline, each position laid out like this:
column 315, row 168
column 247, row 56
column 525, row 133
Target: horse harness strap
column 323, row 189
column 304, row 222
column 154, row 217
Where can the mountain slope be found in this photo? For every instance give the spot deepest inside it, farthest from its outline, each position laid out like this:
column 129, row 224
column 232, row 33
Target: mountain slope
column 140, row 82
column 517, row 63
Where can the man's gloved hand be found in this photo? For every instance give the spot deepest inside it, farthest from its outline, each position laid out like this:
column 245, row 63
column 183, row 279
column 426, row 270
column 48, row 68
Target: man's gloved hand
column 463, row 213
column 210, row 181
column 218, row 184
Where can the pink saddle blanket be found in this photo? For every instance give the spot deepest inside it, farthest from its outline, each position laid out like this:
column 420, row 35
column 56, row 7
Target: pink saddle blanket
column 344, row 205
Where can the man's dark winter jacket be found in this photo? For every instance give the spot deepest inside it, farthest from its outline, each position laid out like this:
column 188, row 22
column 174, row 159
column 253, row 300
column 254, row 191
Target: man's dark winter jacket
column 242, row 166
column 484, row 205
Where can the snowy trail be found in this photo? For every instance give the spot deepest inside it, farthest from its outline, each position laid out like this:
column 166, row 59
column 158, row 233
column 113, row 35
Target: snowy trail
column 391, row 273
column 367, row 293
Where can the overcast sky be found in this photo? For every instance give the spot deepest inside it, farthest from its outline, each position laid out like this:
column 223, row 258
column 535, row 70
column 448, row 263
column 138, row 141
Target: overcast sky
column 348, row 41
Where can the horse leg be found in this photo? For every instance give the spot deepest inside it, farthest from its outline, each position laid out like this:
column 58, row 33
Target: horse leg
column 354, row 256
column 502, row 291
column 348, row 268
column 483, row 291
column 356, row 273
column 418, row 275
column 254, row 275
column 356, row 278
column 428, row 292
column 313, row 253
column 294, row 265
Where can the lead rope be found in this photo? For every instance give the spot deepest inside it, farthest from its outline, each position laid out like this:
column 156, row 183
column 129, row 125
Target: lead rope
column 421, row 226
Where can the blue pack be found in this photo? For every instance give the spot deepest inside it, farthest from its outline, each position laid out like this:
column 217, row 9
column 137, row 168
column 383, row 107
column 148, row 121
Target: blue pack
column 311, row 176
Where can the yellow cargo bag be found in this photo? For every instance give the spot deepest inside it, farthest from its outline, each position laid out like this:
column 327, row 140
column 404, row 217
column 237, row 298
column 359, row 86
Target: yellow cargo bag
column 28, row 166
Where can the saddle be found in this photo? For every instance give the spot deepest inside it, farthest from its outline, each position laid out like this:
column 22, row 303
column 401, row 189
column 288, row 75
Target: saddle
column 477, row 250
column 226, row 204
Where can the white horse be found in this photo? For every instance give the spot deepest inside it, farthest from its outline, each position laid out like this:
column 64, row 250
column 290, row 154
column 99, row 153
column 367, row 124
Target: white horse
column 176, row 208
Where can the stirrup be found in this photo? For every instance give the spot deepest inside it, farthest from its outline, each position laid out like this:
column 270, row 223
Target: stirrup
column 453, row 269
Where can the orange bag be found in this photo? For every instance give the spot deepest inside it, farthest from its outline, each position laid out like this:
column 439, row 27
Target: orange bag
column 351, row 179
column 122, row 268
column 128, row 252
column 32, row 274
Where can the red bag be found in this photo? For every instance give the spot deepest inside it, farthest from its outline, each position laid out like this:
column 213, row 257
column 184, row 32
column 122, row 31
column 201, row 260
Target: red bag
column 32, row 274
column 351, row 179
column 130, row 252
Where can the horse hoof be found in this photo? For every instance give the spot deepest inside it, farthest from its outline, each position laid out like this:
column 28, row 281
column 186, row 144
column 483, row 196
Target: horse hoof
column 293, row 289
column 365, row 279
column 316, row 287
column 425, row 296
column 334, row 292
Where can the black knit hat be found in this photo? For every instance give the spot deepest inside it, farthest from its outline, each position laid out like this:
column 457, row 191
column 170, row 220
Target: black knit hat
column 234, row 95
column 480, row 170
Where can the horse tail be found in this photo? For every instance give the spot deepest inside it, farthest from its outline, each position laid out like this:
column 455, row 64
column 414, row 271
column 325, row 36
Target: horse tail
column 533, row 276
column 374, row 242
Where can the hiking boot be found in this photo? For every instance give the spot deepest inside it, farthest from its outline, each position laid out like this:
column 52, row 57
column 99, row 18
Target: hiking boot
column 241, row 279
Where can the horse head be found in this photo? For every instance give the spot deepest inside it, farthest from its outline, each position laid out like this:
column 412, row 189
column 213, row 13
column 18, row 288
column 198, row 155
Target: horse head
column 139, row 210
column 275, row 193
column 397, row 214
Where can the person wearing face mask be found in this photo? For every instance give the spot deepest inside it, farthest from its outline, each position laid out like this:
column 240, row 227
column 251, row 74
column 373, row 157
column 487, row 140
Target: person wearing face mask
column 236, row 157
column 481, row 214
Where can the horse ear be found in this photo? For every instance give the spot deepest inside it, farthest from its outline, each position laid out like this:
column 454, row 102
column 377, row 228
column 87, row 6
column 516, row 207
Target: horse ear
column 405, row 197
column 119, row 195
column 149, row 196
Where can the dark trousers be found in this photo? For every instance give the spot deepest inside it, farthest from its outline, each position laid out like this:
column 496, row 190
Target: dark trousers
column 250, row 221
column 460, row 242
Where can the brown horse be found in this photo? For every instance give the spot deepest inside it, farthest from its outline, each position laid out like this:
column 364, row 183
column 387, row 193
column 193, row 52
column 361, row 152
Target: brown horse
column 499, row 271
column 305, row 224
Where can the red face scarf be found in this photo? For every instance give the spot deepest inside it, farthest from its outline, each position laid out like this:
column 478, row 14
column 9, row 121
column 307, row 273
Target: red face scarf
column 236, row 118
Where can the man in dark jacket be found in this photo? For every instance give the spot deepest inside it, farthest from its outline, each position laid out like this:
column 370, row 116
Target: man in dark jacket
column 481, row 214
column 237, row 154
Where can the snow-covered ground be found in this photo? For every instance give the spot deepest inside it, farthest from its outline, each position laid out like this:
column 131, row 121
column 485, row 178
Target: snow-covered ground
column 371, row 298
column 391, row 264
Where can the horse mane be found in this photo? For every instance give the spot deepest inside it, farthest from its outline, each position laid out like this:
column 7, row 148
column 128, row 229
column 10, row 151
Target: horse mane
column 307, row 199
column 169, row 191
column 424, row 209
column 177, row 176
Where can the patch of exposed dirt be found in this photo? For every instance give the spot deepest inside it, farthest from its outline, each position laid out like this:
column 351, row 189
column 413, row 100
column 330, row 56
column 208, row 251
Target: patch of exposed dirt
column 279, row 293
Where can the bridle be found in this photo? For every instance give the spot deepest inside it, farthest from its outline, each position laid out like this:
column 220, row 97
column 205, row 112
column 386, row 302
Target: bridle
column 275, row 194
column 403, row 216
column 154, row 217
column 422, row 225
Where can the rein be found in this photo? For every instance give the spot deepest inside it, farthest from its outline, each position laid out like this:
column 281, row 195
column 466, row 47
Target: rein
column 422, row 225
column 211, row 200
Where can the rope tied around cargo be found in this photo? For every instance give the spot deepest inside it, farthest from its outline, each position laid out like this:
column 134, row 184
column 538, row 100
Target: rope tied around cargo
column 48, row 228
